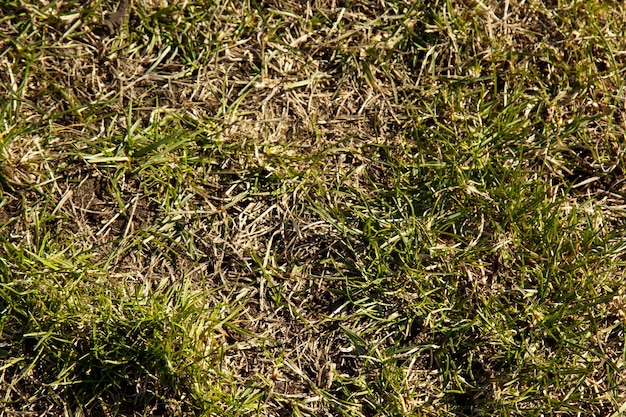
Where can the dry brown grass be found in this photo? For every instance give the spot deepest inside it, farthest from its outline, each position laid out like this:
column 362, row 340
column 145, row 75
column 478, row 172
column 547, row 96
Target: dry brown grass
column 245, row 147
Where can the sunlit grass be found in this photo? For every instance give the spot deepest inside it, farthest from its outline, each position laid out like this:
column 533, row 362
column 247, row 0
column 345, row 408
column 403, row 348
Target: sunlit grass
column 236, row 209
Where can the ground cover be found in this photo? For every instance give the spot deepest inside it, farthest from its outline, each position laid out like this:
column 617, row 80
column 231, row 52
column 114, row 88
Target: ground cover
column 360, row 208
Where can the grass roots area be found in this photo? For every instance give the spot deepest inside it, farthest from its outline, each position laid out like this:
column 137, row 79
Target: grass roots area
column 313, row 208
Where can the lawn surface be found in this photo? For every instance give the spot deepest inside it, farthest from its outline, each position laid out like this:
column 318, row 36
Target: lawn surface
column 313, row 208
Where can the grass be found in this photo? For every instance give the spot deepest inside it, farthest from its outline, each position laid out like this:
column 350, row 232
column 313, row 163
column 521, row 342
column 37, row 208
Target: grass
column 388, row 208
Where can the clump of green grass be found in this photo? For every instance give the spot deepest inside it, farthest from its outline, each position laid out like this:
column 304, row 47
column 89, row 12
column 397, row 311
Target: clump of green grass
column 80, row 341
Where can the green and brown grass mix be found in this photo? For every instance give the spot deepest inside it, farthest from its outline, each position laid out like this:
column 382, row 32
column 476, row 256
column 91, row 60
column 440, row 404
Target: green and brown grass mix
column 313, row 208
